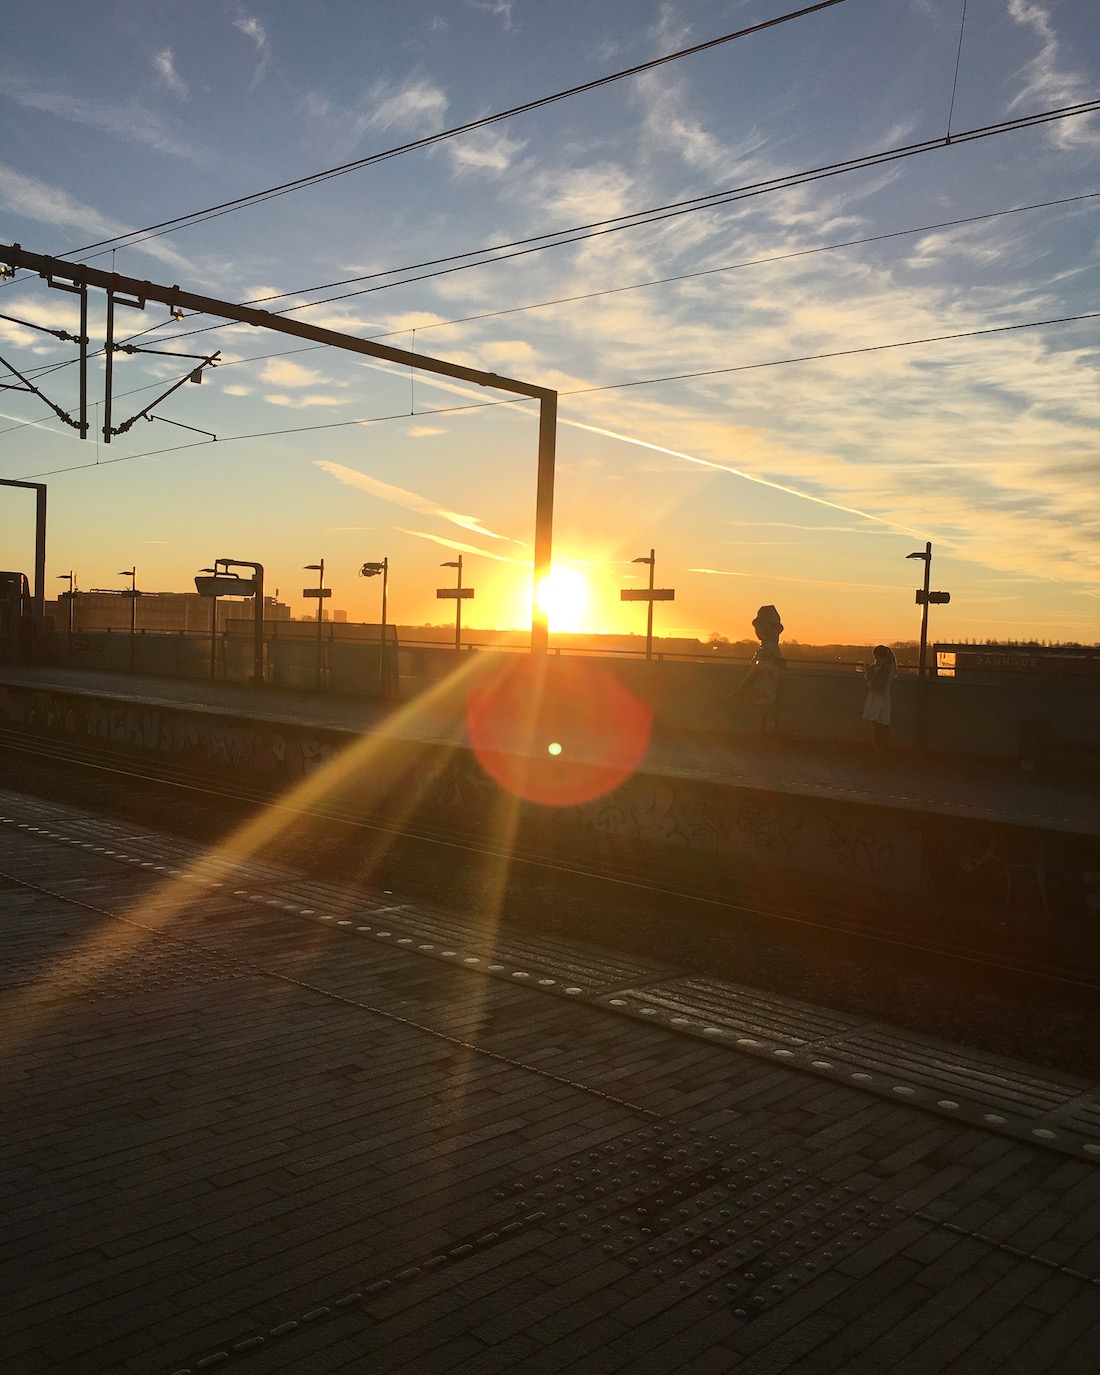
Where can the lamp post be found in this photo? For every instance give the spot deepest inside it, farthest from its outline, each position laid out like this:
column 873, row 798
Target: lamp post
column 220, row 582
column 648, row 594
column 213, row 594
column 924, row 598
column 372, row 570
column 458, row 594
column 133, row 594
column 320, row 592
column 70, row 576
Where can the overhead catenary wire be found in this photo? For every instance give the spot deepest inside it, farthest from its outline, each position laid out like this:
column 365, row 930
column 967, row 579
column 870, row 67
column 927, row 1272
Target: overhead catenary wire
column 608, row 291
column 657, row 214
column 590, row 295
column 985, row 331
column 134, row 236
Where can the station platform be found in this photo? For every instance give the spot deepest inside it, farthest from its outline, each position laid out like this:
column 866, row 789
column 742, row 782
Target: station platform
column 963, row 787
column 257, row 1121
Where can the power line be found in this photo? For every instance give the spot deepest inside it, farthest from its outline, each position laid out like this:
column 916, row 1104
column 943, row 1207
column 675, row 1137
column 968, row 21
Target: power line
column 657, row 214
column 728, row 267
column 606, row 291
column 134, row 236
column 583, row 391
column 835, row 353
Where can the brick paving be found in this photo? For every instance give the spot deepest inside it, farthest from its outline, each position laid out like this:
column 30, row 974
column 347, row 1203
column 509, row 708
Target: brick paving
column 235, row 1139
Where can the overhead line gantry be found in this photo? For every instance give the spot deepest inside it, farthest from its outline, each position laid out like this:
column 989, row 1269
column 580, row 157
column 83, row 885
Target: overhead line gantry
column 129, row 291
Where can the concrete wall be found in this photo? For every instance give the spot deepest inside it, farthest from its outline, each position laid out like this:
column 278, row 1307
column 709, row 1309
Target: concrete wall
column 1022, row 886
column 993, row 720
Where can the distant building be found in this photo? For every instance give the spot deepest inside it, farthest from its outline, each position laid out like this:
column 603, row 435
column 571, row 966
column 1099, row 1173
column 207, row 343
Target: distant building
column 183, row 613
column 998, row 662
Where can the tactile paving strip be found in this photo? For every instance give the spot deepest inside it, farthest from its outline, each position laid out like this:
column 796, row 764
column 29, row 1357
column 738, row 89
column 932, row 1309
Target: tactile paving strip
column 694, row 1217
column 981, row 1090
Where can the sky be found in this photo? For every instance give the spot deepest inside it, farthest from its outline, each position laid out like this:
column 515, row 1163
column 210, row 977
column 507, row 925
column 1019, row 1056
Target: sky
column 761, row 473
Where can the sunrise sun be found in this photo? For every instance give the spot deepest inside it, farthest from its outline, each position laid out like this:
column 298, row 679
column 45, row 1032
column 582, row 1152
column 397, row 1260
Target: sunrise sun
column 563, row 598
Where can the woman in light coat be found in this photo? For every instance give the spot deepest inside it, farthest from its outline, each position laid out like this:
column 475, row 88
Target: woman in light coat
column 876, row 709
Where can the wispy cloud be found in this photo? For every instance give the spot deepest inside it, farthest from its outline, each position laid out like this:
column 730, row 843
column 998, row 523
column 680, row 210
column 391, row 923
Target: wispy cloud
column 411, row 501
column 499, row 9
column 414, row 106
column 37, row 200
column 825, row 582
column 252, row 28
column 280, row 372
column 122, row 119
column 483, row 150
column 165, row 65
column 464, row 548
column 304, row 399
column 1047, row 80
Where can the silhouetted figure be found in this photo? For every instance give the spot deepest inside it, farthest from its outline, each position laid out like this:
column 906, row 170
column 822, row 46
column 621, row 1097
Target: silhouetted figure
column 876, row 709
column 760, row 684
column 27, row 631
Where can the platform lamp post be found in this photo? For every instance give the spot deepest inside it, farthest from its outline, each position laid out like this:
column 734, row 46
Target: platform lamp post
column 320, row 592
column 924, row 599
column 69, row 577
column 133, row 594
column 214, row 573
column 372, row 570
column 458, row 594
column 648, row 594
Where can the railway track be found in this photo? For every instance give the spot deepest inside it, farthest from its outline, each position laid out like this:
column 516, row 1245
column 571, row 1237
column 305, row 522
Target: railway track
column 789, row 922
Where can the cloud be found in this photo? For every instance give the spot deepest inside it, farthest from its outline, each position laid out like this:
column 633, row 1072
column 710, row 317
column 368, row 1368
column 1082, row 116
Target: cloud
column 825, row 582
column 123, row 119
column 423, row 431
column 40, row 310
column 37, row 200
column 164, row 64
column 296, row 402
column 1046, row 80
column 483, row 150
column 418, row 105
column 411, row 501
column 251, row 27
column 499, row 9
column 282, row 373
column 464, row 548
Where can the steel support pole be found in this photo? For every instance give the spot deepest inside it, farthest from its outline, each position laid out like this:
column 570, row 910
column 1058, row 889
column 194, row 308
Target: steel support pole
column 382, row 648
column 320, row 628
column 924, row 609
column 258, row 627
column 649, row 612
column 544, row 517
column 213, row 638
column 458, row 607
column 922, row 677
column 38, row 597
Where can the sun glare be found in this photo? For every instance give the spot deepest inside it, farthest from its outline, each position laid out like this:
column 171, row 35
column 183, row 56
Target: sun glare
column 563, row 598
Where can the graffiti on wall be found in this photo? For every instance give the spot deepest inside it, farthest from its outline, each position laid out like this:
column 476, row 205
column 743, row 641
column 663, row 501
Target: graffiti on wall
column 1017, row 877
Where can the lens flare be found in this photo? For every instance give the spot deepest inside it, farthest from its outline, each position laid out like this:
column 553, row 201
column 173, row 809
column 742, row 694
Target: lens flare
column 596, row 728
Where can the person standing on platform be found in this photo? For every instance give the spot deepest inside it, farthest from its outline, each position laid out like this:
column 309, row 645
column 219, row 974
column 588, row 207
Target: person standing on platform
column 876, row 709
column 760, row 685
